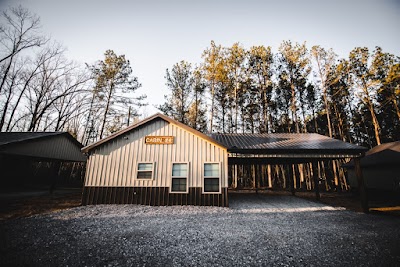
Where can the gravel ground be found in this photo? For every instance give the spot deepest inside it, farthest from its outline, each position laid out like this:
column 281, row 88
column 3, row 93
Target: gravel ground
column 256, row 230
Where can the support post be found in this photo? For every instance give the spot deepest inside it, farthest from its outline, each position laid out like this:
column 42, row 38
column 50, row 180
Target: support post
column 235, row 175
column 316, row 179
column 269, row 176
column 55, row 169
column 289, row 169
column 361, row 185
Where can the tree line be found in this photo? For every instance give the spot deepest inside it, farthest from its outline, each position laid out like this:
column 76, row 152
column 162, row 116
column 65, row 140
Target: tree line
column 294, row 90
column 42, row 90
column 232, row 90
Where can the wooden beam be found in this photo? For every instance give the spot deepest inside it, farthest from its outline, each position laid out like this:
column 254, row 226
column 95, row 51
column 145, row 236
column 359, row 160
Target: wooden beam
column 361, row 185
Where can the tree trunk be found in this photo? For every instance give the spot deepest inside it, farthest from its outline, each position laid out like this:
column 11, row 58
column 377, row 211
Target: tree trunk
column 212, row 106
column 106, row 111
column 293, row 108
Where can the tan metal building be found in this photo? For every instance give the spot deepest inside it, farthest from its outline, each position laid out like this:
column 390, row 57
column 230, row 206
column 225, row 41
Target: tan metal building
column 157, row 161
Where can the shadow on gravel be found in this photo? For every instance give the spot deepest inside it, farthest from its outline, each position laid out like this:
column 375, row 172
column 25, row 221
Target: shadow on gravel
column 31, row 202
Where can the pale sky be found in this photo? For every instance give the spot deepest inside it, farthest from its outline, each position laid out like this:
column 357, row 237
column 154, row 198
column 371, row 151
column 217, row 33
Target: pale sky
column 156, row 34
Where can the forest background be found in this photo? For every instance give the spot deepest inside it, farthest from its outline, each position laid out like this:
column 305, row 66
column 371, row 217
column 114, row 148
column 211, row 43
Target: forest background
column 233, row 89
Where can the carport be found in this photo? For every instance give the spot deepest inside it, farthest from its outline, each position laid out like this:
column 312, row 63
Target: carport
column 290, row 148
column 19, row 149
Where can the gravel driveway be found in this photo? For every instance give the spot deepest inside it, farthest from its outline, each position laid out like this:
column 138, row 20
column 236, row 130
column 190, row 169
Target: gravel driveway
column 257, row 230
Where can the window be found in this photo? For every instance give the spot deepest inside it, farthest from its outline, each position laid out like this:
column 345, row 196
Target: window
column 179, row 177
column 145, row 171
column 211, row 178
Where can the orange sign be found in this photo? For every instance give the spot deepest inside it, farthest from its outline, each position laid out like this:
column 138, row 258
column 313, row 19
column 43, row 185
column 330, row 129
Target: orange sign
column 159, row 140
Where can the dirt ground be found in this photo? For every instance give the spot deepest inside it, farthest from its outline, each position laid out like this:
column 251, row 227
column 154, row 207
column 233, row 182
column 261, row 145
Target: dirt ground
column 27, row 203
column 24, row 204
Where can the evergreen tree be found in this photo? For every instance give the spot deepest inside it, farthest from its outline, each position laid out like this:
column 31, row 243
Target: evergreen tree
column 115, row 85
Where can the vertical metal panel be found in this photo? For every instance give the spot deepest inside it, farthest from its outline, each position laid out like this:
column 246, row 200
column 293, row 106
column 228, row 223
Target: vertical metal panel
column 114, row 164
column 89, row 172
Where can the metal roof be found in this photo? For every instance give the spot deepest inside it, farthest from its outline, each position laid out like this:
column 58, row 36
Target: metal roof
column 16, row 137
column 144, row 122
column 287, row 143
column 41, row 145
column 383, row 155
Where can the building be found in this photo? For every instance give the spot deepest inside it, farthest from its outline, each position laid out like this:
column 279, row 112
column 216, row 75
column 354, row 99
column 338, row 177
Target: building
column 160, row 161
column 157, row 161
column 381, row 168
column 19, row 150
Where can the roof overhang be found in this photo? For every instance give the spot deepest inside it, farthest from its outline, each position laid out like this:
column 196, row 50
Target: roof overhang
column 286, row 147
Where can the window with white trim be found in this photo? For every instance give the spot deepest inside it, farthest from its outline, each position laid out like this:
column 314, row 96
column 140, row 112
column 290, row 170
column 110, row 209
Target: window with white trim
column 179, row 182
column 211, row 178
column 145, row 171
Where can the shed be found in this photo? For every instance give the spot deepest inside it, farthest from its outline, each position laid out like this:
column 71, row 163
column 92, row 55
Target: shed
column 157, row 161
column 381, row 166
column 19, row 149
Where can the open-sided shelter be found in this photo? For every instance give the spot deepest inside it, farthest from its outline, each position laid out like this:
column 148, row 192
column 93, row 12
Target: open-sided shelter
column 19, row 149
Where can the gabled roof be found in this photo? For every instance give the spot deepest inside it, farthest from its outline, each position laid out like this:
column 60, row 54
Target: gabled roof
column 394, row 146
column 144, row 122
column 382, row 155
column 287, row 143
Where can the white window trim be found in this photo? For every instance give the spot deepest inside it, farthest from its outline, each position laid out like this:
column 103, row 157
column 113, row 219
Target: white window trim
column 219, row 178
column 187, row 178
column 152, row 171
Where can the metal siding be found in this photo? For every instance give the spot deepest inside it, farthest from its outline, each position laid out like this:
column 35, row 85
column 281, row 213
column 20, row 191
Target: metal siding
column 118, row 161
column 107, row 166
column 125, row 158
column 89, row 172
column 114, row 164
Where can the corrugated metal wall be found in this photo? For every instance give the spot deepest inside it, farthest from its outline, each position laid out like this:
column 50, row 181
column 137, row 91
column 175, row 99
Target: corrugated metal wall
column 114, row 164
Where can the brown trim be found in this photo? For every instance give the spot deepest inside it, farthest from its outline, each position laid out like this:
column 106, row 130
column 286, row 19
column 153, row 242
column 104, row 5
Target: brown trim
column 153, row 196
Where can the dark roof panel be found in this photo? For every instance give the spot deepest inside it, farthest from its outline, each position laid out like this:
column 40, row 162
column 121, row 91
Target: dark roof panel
column 41, row 145
column 15, row 137
column 285, row 143
column 383, row 155
column 393, row 146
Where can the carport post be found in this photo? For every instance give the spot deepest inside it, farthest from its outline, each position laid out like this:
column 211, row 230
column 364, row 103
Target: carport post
column 361, row 185
column 316, row 180
column 289, row 170
column 55, row 165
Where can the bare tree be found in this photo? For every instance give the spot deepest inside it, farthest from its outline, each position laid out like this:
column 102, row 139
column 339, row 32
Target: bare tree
column 57, row 79
column 20, row 31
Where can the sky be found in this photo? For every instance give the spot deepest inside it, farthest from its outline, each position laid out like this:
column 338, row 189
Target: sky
column 156, row 34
